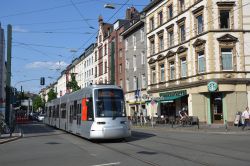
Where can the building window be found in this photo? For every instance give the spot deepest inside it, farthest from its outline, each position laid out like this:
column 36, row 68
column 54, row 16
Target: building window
column 135, row 83
column 199, row 22
column 162, row 68
column 121, row 83
column 201, row 62
column 172, row 70
column 183, row 67
column 143, row 78
column 134, row 62
column 100, row 38
column 127, row 84
column 170, row 37
column 151, row 24
column 160, row 18
column 170, row 11
column 100, row 53
column 143, row 58
column 142, row 35
column 134, row 42
column 227, row 58
column 181, row 5
column 126, row 44
column 120, row 53
column 127, row 64
column 161, row 43
column 152, row 47
column 120, row 68
column 105, row 49
column 95, row 55
column 153, row 75
column 224, row 19
column 106, row 67
column 182, row 34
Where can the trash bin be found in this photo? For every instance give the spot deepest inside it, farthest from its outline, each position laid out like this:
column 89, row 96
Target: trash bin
column 237, row 120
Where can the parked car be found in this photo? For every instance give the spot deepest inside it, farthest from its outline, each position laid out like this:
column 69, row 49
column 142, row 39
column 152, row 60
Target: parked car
column 40, row 118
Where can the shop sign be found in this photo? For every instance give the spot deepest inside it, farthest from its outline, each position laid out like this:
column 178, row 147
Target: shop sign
column 174, row 93
column 212, row 86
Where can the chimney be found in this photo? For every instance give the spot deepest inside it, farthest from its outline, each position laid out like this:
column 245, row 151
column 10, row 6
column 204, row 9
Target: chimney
column 100, row 19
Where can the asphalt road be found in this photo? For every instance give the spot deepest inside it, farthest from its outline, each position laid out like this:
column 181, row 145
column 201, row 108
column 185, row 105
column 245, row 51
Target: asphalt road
column 42, row 145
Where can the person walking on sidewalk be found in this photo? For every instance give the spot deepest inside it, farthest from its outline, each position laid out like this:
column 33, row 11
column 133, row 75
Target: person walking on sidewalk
column 245, row 115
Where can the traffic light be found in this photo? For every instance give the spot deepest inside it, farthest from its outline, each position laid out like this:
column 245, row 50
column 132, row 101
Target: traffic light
column 42, row 81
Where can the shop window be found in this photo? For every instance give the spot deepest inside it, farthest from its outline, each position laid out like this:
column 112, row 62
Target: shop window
column 227, row 58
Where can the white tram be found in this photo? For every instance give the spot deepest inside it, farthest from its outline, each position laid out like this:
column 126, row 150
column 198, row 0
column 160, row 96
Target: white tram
column 94, row 112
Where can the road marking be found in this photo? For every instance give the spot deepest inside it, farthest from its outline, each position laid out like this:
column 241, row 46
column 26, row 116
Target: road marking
column 117, row 163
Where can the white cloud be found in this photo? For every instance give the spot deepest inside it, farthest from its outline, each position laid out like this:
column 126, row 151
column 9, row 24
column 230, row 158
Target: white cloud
column 47, row 65
column 19, row 29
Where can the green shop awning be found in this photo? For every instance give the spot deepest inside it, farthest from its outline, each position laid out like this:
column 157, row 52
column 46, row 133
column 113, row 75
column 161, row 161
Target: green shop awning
column 165, row 97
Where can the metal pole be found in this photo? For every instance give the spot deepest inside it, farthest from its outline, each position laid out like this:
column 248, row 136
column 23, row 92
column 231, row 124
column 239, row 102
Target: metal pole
column 8, row 76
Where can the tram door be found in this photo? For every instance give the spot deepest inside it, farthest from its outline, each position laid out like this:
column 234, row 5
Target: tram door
column 216, row 108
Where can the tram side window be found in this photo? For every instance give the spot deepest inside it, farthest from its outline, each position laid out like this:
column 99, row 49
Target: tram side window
column 75, row 110
column 90, row 114
column 78, row 118
column 63, row 110
column 50, row 112
column 71, row 114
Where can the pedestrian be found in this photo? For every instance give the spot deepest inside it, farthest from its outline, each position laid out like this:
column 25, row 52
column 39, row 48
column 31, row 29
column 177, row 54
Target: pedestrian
column 245, row 115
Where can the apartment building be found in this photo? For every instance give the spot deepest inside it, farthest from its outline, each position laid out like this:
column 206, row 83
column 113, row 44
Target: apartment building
column 85, row 67
column 198, row 58
column 135, row 66
column 61, row 88
column 101, row 53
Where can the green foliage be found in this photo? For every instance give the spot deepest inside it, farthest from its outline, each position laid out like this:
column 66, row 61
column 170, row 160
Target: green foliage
column 52, row 95
column 73, row 83
column 38, row 102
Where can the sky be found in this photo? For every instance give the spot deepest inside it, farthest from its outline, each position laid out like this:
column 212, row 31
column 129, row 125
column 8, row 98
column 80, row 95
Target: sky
column 48, row 34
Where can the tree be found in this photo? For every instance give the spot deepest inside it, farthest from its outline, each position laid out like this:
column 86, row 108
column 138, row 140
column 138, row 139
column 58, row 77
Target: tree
column 38, row 102
column 73, row 83
column 52, row 95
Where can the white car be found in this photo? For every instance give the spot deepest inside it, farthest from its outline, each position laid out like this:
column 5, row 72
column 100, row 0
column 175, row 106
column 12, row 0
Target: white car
column 40, row 118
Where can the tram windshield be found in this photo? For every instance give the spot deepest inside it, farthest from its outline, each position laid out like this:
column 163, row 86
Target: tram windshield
column 110, row 103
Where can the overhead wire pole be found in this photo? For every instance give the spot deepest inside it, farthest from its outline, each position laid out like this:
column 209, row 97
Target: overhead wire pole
column 8, row 76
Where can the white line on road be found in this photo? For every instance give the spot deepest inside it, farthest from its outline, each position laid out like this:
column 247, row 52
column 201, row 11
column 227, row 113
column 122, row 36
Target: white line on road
column 117, row 163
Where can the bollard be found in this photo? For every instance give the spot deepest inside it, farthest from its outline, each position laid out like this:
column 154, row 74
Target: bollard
column 198, row 123
column 226, row 127
column 172, row 123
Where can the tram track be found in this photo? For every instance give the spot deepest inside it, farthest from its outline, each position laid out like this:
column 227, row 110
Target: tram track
column 157, row 151
column 198, row 150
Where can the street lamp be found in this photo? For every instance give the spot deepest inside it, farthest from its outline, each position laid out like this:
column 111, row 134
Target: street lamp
column 109, row 6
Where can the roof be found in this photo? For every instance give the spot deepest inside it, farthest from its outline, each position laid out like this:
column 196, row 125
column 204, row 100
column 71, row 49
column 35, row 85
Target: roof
column 151, row 5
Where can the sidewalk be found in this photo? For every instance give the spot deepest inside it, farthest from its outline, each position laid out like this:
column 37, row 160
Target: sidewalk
column 4, row 138
column 214, row 128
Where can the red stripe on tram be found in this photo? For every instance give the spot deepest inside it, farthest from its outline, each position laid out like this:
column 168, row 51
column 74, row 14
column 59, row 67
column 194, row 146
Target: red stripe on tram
column 84, row 109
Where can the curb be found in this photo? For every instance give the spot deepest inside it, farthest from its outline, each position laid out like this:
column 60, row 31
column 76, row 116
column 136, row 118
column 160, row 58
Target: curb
column 13, row 138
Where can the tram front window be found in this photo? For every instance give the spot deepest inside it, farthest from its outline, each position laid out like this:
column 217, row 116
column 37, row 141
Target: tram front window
column 110, row 103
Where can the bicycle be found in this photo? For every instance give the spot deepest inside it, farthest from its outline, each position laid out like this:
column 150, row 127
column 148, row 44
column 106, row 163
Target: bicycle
column 185, row 121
